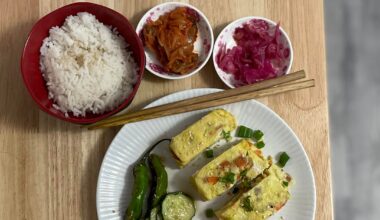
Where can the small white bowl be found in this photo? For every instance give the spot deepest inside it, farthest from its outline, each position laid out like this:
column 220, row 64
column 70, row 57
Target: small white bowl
column 203, row 45
column 226, row 37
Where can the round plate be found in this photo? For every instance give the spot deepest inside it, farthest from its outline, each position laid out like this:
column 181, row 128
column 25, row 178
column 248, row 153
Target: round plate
column 226, row 37
column 116, row 180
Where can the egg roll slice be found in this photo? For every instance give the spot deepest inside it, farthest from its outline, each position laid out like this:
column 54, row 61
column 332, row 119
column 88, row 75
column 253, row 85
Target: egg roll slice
column 268, row 196
column 202, row 134
column 220, row 174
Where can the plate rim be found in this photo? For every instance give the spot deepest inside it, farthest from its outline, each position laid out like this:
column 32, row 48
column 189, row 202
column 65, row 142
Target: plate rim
column 209, row 91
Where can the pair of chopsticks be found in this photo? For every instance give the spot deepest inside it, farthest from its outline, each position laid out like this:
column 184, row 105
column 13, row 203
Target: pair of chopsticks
column 264, row 88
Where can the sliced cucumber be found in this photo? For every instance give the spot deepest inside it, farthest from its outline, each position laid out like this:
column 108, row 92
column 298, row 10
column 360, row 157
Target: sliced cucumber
column 159, row 217
column 177, row 206
column 153, row 214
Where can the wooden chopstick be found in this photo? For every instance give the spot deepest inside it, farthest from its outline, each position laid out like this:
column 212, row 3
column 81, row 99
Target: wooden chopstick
column 213, row 103
column 205, row 98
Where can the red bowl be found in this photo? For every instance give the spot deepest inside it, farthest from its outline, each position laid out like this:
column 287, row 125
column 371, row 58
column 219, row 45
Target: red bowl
column 30, row 60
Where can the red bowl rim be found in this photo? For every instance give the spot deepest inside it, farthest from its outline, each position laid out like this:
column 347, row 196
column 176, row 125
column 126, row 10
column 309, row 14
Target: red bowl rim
column 85, row 120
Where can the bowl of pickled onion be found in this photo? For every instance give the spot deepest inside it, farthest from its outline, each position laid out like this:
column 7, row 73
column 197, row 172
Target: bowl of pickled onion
column 252, row 49
column 177, row 39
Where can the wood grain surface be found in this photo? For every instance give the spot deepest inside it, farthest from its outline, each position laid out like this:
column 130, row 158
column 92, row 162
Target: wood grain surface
column 49, row 168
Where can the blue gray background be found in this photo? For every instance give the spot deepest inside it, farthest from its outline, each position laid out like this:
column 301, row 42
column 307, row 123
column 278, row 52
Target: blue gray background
column 353, row 54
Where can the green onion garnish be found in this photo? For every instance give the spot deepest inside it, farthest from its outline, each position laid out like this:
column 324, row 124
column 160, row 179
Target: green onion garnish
column 260, row 144
column 284, row 157
column 246, row 183
column 257, row 135
column 243, row 173
column 285, row 183
column 229, row 177
column 244, row 132
column 246, row 204
column 209, row 153
column 210, row 213
column 226, row 135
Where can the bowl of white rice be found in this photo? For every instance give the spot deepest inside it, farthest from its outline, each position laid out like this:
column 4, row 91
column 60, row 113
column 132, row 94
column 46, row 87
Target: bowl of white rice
column 82, row 63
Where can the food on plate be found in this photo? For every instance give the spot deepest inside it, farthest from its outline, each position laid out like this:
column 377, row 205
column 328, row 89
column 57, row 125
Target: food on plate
column 177, row 206
column 256, row 135
column 171, row 38
column 142, row 181
column 260, row 187
column 260, row 53
column 202, row 134
column 140, row 188
column 154, row 214
column 268, row 196
column 87, row 66
column 246, row 132
column 160, row 179
column 227, row 135
column 159, row 184
column 284, row 158
column 209, row 153
column 221, row 174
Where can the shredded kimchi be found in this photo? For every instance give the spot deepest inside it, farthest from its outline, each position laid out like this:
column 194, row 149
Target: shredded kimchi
column 171, row 38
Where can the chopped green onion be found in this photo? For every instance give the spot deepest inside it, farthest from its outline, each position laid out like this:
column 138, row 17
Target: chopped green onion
column 260, row 144
column 226, row 135
column 246, row 183
column 244, row 132
column 284, row 157
column 229, row 177
column 243, row 173
column 210, row 213
column 285, row 183
column 257, row 135
column 246, row 204
column 209, row 153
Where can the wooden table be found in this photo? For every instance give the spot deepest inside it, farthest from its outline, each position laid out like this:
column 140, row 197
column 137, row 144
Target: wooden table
column 49, row 168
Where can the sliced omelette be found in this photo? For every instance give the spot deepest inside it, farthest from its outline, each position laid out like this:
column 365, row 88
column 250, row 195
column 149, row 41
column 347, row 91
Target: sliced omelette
column 268, row 196
column 219, row 175
column 202, row 134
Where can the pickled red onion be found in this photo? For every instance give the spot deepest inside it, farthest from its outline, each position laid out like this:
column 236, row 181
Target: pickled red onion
column 259, row 53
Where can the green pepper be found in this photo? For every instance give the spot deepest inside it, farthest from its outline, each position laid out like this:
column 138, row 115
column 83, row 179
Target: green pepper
column 141, row 185
column 160, row 180
column 140, row 188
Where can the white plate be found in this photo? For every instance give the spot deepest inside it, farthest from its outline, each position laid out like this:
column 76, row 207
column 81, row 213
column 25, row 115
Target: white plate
column 226, row 37
column 115, row 178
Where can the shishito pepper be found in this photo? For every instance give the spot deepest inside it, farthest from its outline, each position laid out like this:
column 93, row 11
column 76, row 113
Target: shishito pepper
column 141, row 186
column 160, row 180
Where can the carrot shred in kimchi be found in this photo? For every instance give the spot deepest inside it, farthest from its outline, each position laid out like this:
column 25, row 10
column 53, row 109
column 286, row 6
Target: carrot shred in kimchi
column 171, row 38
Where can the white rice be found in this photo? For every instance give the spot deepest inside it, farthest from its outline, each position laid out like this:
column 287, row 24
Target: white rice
column 86, row 66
